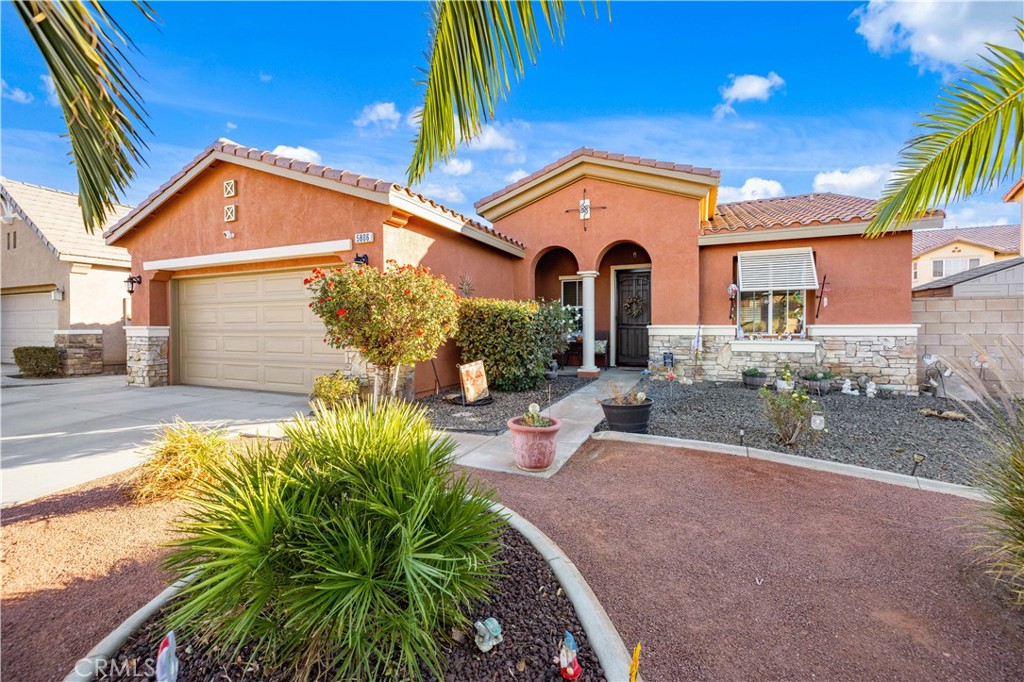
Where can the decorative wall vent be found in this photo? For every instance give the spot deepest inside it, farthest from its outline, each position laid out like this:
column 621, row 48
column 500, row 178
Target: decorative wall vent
column 230, row 188
column 230, row 213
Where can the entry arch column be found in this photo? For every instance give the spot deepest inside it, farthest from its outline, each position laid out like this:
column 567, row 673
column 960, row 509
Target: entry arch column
column 589, row 369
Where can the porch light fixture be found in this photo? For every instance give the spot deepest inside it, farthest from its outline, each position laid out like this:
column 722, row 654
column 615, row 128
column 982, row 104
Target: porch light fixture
column 363, row 259
column 57, row 294
column 132, row 282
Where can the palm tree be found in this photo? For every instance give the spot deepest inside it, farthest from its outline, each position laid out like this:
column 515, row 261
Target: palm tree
column 972, row 141
column 82, row 46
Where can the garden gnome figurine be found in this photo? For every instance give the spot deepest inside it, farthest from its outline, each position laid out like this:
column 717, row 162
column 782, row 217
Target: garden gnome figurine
column 166, row 661
column 871, row 389
column 568, row 665
column 488, row 634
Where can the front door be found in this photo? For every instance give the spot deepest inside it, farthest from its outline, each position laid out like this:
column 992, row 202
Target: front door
column 632, row 317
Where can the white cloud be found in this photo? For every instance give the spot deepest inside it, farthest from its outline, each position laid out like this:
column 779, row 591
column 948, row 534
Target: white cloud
column 457, row 167
column 382, row 115
column 753, row 188
column 973, row 213
column 297, row 153
column 936, row 34
column 515, row 176
column 862, row 181
column 446, row 193
column 15, row 94
column 50, row 90
column 491, row 137
column 230, row 126
column 412, row 119
column 265, row 77
column 744, row 88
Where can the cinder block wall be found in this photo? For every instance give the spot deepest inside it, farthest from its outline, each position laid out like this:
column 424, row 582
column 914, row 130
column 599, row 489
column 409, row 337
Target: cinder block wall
column 946, row 324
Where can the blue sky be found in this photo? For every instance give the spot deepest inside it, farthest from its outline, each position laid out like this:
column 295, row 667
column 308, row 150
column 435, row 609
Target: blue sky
column 783, row 98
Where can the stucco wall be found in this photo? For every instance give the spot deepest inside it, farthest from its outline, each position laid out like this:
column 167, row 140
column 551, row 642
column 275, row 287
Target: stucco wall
column 97, row 299
column 32, row 265
column 954, row 250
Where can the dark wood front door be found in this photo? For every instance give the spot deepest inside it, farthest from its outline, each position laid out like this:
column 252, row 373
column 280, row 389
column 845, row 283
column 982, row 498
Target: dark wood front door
column 632, row 316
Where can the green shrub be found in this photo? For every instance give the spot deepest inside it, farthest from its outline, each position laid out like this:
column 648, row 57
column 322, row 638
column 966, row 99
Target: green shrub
column 753, row 372
column 789, row 413
column 334, row 389
column 356, row 546
column 37, row 361
column 515, row 339
column 182, row 454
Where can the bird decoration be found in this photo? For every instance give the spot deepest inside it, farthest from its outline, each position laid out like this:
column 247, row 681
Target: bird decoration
column 166, row 660
column 568, row 664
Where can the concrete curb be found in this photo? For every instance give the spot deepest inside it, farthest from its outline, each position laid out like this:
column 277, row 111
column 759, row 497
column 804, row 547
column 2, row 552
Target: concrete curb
column 88, row 668
column 889, row 477
column 604, row 638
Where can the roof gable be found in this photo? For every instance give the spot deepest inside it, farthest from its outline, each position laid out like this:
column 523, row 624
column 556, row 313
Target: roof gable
column 970, row 275
column 56, row 219
column 1002, row 239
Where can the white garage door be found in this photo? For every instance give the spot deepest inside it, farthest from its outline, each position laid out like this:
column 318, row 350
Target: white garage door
column 26, row 320
column 251, row 331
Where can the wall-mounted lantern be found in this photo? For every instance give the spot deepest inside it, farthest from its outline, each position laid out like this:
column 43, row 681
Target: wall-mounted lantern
column 57, row 294
column 132, row 282
column 363, row 259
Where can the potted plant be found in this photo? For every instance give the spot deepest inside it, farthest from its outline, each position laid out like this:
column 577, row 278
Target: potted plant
column 628, row 412
column 753, row 377
column 533, row 439
column 818, row 381
column 785, row 380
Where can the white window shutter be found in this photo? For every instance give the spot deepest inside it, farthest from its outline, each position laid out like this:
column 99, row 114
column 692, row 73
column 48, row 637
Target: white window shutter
column 777, row 270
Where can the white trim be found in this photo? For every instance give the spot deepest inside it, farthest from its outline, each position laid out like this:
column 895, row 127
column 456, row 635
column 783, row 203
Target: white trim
column 691, row 329
column 569, row 278
column 741, row 236
column 404, row 202
column 77, row 331
column 588, row 273
column 773, row 345
column 862, row 329
column 150, row 331
column 273, row 253
column 613, row 289
column 791, row 269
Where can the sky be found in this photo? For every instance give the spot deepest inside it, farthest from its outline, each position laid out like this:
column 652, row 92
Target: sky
column 783, row 98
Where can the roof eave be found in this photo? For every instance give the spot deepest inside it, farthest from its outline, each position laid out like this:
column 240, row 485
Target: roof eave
column 824, row 230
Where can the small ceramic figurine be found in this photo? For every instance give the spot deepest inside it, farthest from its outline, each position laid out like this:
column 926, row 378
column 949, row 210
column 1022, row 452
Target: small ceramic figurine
column 488, row 634
column 871, row 389
column 848, row 388
column 166, row 661
column 568, row 665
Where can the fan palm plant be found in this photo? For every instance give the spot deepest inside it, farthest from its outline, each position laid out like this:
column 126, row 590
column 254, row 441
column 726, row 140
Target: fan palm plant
column 971, row 142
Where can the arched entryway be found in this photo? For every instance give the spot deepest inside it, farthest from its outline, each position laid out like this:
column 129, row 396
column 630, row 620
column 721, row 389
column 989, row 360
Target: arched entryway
column 623, row 303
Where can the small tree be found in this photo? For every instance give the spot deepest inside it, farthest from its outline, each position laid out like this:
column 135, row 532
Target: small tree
column 395, row 317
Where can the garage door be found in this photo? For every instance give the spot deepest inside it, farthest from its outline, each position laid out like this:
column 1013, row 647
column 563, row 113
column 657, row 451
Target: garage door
column 251, row 331
column 26, row 320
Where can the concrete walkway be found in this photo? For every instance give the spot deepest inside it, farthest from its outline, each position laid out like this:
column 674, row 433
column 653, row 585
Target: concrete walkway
column 59, row 433
column 578, row 412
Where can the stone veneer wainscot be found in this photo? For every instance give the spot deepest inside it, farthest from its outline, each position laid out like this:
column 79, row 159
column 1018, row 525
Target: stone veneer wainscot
column 148, row 349
column 81, row 351
column 886, row 354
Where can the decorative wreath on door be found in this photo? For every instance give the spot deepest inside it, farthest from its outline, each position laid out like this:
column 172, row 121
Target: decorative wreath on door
column 633, row 306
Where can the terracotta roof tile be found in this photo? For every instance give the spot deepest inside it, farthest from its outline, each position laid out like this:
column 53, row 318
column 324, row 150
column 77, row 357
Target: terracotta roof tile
column 1003, row 239
column 805, row 209
column 346, row 177
column 597, row 154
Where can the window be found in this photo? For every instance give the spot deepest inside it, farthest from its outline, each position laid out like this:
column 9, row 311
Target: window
column 944, row 267
column 12, row 240
column 915, row 270
column 572, row 297
column 773, row 291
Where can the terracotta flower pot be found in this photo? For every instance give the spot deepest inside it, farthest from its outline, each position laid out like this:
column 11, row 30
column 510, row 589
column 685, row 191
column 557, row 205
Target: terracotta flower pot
column 534, row 446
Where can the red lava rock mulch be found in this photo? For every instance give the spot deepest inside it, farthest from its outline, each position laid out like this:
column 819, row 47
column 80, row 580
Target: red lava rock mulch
column 734, row 569
column 75, row 565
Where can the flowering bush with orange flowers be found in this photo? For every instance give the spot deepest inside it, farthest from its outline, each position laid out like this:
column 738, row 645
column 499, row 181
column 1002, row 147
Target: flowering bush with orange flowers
column 394, row 317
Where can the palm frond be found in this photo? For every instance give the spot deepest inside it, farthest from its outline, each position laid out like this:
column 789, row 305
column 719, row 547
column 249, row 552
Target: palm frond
column 971, row 142
column 82, row 46
column 473, row 47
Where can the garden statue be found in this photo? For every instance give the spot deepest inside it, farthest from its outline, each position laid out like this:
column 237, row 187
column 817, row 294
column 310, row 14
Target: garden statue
column 166, row 661
column 871, row 389
column 568, row 664
column 848, row 388
column 488, row 634
column 551, row 374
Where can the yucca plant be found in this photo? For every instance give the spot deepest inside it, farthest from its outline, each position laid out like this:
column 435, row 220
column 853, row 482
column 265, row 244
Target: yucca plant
column 347, row 554
column 181, row 455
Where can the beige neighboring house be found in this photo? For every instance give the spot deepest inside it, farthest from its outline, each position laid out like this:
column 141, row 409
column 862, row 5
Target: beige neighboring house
column 947, row 251
column 60, row 285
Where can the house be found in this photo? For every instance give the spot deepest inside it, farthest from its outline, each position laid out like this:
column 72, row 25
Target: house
column 642, row 247
column 946, row 251
column 60, row 284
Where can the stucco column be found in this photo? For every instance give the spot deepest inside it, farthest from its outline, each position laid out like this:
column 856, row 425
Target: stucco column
column 589, row 369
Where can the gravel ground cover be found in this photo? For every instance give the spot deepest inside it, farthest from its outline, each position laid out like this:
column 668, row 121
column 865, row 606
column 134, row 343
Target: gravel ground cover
column 528, row 603
column 868, row 432
column 728, row 568
column 490, row 419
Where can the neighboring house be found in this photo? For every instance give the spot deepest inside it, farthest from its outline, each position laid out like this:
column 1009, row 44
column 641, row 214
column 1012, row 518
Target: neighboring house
column 223, row 246
column 60, row 285
column 951, row 250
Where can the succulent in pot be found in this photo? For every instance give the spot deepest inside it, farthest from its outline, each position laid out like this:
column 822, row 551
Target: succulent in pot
column 533, row 439
column 753, row 377
column 818, row 381
column 628, row 412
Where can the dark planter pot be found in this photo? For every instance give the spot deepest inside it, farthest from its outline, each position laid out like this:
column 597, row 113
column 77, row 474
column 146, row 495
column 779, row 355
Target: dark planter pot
column 628, row 418
column 754, row 382
column 817, row 386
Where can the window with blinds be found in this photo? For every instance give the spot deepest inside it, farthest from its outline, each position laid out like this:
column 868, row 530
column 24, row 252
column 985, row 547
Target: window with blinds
column 777, row 270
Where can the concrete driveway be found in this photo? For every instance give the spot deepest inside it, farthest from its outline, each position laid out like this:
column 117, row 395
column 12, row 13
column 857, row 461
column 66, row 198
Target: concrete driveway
column 59, row 433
